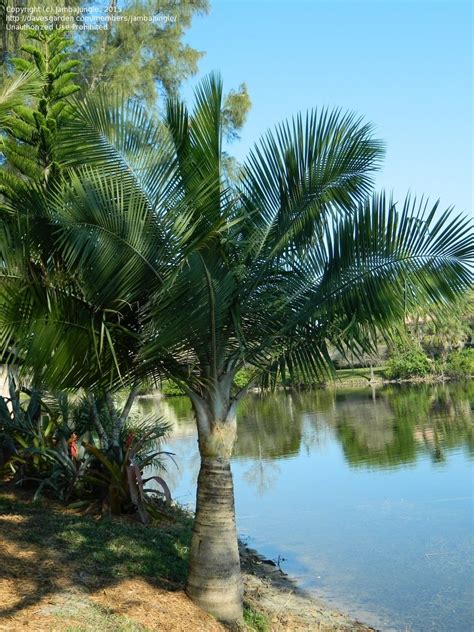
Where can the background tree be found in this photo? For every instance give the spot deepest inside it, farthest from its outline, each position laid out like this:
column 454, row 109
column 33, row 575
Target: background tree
column 30, row 128
column 170, row 270
column 141, row 58
column 453, row 331
column 237, row 103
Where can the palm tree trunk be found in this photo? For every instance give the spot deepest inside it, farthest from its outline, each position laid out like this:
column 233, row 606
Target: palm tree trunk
column 214, row 578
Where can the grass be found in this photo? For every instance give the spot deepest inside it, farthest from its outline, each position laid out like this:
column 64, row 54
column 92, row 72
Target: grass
column 351, row 374
column 256, row 620
column 95, row 618
column 114, row 547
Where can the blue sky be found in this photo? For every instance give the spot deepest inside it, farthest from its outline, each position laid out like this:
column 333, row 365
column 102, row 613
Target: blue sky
column 405, row 66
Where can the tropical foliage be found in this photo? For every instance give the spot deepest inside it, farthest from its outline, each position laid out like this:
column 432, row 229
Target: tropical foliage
column 155, row 264
column 451, row 332
column 408, row 363
column 120, row 474
column 52, row 444
column 460, row 364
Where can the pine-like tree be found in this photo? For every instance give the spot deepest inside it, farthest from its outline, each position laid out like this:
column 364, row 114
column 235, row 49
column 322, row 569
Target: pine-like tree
column 29, row 130
column 12, row 39
column 141, row 51
column 138, row 52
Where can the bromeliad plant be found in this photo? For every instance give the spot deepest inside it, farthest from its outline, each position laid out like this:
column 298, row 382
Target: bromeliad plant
column 38, row 442
column 119, row 473
column 54, row 445
column 164, row 267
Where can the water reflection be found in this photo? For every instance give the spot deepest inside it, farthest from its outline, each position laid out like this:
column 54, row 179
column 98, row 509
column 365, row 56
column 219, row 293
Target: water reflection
column 368, row 494
column 385, row 428
column 404, row 422
column 269, row 427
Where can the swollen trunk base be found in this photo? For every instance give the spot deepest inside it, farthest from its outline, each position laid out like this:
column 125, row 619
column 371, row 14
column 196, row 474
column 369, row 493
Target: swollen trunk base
column 214, row 579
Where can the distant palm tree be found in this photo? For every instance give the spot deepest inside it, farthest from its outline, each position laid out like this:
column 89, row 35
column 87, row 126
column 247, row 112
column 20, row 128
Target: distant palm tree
column 163, row 266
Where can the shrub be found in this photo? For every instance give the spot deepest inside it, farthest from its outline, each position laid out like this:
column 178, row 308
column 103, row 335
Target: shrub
column 460, row 364
column 47, row 441
column 407, row 363
column 170, row 389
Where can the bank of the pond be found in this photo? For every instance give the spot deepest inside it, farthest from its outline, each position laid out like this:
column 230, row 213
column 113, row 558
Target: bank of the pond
column 343, row 379
column 65, row 571
column 355, row 379
column 285, row 606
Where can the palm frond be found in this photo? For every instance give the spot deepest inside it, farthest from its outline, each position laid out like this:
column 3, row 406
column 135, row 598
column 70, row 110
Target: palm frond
column 146, row 261
column 307, row 169
column 371, row 271
column 16, row 90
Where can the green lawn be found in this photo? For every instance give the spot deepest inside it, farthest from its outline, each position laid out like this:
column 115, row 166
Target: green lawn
column 113, row 548
column 351, row 374
column 60, row 552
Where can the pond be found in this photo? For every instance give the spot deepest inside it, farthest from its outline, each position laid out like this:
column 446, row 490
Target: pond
column 366, row 496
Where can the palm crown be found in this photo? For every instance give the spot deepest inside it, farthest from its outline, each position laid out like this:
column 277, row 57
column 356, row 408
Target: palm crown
column 167, row 268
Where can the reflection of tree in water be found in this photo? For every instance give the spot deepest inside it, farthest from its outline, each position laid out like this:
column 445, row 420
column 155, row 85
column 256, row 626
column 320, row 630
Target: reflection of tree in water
column 315, row 432
column 158, row 408
column 263, row 473
column 384, row 428
column 452, row 422
column 404, row 421
column 360, row 423
column 268, row 427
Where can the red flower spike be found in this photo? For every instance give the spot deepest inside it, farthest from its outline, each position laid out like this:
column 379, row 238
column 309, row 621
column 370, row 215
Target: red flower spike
column 72, row 443
column 129, row 440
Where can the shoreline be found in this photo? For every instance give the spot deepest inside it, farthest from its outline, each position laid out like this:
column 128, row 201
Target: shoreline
column 287, row 606
column 356, row 381
column 69, row 590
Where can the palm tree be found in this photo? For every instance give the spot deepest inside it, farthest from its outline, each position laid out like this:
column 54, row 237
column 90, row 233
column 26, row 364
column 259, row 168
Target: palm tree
column 162, row 266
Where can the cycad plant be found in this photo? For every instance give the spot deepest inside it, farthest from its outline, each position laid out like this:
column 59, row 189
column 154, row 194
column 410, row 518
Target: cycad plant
column 168, row 269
